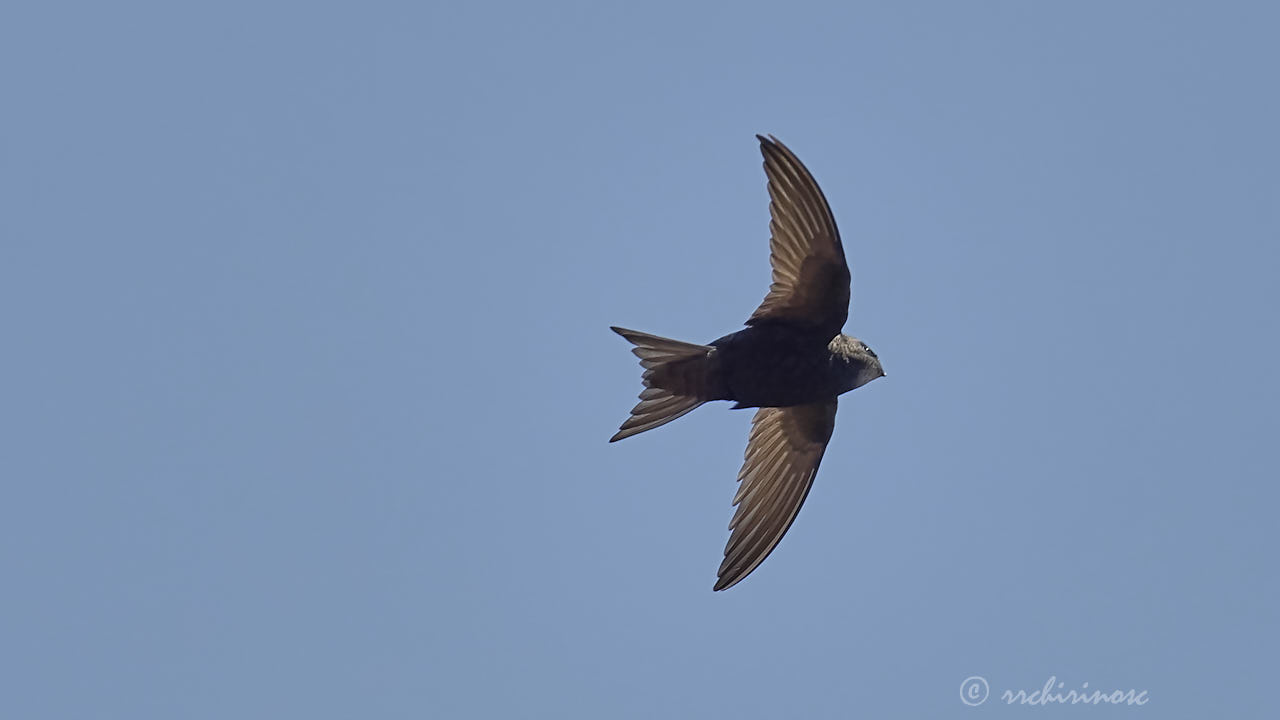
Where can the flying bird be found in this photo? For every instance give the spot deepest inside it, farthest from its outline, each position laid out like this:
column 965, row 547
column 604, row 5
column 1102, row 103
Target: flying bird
column 792, row 361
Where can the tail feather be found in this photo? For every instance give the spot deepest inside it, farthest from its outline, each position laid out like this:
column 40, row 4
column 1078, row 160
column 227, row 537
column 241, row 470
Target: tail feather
column 678, row 377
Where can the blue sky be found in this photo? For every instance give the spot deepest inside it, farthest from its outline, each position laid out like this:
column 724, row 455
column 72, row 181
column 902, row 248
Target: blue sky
column 308, row 378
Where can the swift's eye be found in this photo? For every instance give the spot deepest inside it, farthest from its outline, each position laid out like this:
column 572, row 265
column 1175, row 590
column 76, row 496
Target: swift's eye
column 871, row 352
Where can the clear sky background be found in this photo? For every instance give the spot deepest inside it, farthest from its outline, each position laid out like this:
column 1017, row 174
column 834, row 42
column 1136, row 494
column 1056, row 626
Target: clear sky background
column 307, row 376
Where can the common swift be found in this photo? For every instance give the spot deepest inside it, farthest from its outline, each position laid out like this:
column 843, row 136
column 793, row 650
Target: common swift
column 792, row 362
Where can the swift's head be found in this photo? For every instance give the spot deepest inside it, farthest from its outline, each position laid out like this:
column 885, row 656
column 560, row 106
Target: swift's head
column 861, row 363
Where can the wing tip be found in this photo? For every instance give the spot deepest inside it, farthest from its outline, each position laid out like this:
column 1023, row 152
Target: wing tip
column 722, row 584
column 769, row 143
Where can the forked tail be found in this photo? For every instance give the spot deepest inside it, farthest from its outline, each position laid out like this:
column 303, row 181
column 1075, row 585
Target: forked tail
column 678, row 377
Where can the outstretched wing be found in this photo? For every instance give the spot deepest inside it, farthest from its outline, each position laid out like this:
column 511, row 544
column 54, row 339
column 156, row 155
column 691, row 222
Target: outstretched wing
column 783, row 452
column 810, row 285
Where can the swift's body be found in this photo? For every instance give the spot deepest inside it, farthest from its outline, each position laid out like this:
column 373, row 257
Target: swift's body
column 792, row 361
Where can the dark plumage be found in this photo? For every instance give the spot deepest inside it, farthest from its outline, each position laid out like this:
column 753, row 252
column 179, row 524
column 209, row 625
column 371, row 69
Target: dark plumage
column 791, row 361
